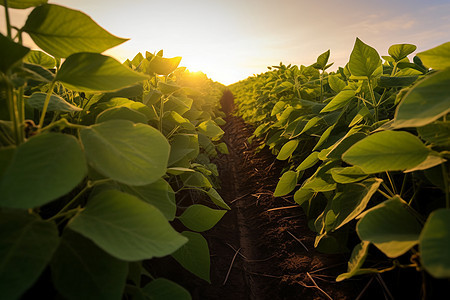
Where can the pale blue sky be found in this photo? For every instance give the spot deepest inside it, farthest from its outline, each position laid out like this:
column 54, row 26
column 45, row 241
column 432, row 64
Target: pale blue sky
column 230, row 40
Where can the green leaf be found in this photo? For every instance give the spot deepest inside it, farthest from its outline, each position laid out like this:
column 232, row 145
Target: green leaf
column 134, row 154
column 322, row 60
column 222, row 148
column 163, row 289
column 50, row 165
column 40, row 58
column 200, row 218
column 434, row 244
column 303, row 195
column 436, row 133
column 431, row 161
column 195, row 179
column 167, row 88
column 93, row 72
column 308, row 162
column 364, row 60
column 61, row 31
column 217, row 199
column 163, row 66
column 210, row 129
column 400, row 51
column 287, row 149
column 400, row 81
column 278, row 108
column 38, row 73
column 194, row 255
column 325, row 135
column 287, row 183
column 121, row 113
column 22, row 4
column 126, row 227
column 336, row 83
column 313, row 121
column 159, row 194
column 356, row 261
column 339, row 101
column 124, row 102
column 387, row 151
column 26, row 246
column 437, row 58
column 348, row 174
column 353, row 199
column 56, row 103
column 11, row 53
column 390, row 226
column 93, row 273
column 351, row 138
column 426, row 102
column 362, row 113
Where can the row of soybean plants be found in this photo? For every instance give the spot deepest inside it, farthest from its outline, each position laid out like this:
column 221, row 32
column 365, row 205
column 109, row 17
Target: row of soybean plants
column 93, row 157
column 368, row 149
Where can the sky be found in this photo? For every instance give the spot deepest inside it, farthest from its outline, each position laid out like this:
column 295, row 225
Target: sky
column 230, row 40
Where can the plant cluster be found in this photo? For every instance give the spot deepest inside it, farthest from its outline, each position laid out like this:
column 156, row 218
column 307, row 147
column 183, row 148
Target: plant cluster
column 94, row 158
column 367, row 149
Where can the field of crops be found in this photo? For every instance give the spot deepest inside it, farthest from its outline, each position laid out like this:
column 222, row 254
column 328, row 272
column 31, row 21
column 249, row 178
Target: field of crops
column 111, row 173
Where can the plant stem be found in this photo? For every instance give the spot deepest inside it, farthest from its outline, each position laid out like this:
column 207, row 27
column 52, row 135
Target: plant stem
column 47, row 101
column 8, row 22
column 62, row 122
column 321, row 86
column 391, row 182
column 374, row 101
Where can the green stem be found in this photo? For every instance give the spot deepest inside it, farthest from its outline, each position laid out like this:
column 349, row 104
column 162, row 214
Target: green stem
column 321, row 86
column 46, row 102
column 8, row 22
column 403, row 184
column 374, row 101
column 391, row 182
column 384, row 194
column 387, row 189
column 447, row 192
column 13, row 112
column 62, row 123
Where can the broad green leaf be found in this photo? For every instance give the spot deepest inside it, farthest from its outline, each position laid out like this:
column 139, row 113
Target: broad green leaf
column 286, row 184
column 278, row 108
column 40, row 58
column 363, row 112
column 167, row 88
column 56, row 103
column 387, row 151
column 124, row 102
column 159, row 194
column 134, row 154
column 126, row 227
column 431, row 161
column 287, row 149
column 163, row 66
column 217, row 199
column 164, row 289
column 6, row 156
column 22, row 4
column 27, row 244
column 322, row 60
column 210, row 129
column 436, row 133
column 194, row 255
column 426, row 102
column 437, row 58
column 351, row 201
column 336, row 83
column 61, row 31
column 325, row 135
column 200, row 218
column 356, row 261
column 10, row 53
column 121, row 113
column 38, row 73
column 308, row 162
column 400, row 51
column 398, row 81
column 348, row 174
column 303, row 195
column 390, row 226
column 183, row 147
column 49, row 164
column 93, row 273
column 93, row 72
column 344, row 143
column 222, row 148
column 434, row 244
column 364, row 60
column 313, row 121
column 339, row 101
column 195, row 179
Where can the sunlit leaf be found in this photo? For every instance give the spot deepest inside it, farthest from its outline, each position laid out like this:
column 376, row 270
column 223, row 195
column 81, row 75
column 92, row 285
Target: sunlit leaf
column 286, row 184
column 56, row 103
column 22, row 4
column 287, row 149
column 126, row 227
column 62, row 31
column 364, row 60
column 400, row 51
column 437, row 58
column 40, row 58
column 200, row 218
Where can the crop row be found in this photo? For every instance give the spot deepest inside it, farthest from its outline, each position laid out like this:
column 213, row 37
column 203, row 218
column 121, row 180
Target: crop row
column 96, row 161
column 367, row 149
